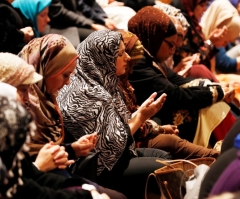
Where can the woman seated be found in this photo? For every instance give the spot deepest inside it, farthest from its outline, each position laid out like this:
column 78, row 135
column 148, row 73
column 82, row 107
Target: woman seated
column 185, row 96
column 36, row 12
column 51, row 157
column 19, row 177
column 92, row 102
column 152, row 135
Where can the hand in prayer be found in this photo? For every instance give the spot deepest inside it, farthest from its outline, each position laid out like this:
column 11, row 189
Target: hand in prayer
column 84, row 144
column 151, row 106
column 216, row 36
column 28, row 33
column 51, row 157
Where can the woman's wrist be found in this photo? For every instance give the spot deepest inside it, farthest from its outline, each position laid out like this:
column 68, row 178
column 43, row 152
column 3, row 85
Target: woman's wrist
column 162, row 130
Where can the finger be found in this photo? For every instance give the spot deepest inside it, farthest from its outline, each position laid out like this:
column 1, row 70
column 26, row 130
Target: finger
column 61, row 161
column 60, row 154
column 54, row 149
column 62, row 166
column 62, row 148
column 85, row 146
column 47, row 146
column 161, row 99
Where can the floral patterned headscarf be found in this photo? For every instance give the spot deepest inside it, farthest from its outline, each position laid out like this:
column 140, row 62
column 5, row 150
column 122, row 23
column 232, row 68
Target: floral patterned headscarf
column 15, row 125
column 51, row 55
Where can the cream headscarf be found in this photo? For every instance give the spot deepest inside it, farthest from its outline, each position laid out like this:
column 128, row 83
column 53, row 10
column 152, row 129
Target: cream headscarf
column 220, row 13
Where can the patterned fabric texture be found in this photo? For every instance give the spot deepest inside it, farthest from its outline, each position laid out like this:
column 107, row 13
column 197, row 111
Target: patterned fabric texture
column 15, row 125
column 50, row 55
column 92, row 101
column 172, row 11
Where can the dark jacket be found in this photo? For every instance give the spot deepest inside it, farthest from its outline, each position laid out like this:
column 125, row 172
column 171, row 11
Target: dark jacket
column 147, row 79
column 40, row 185
column 66, row 13
column 11, row 21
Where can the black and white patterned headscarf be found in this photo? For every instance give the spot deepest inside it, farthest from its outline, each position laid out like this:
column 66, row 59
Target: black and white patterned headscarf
column 92, row 102
column 15, row 125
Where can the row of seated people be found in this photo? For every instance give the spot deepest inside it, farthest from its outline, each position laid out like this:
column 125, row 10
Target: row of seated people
column 199, row 55
column 84, row 103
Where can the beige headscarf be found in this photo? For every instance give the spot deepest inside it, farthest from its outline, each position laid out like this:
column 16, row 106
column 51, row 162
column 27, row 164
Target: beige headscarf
column 15, row 71
column 220, row 13
column 50, row 55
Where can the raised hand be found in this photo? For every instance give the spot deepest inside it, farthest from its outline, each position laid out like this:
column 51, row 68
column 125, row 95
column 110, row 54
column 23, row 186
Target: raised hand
column 216, row 36
column 151, row 107
column 84, row 144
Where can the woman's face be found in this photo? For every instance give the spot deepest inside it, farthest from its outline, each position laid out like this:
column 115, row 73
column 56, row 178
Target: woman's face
column 122, row 60
column 43, row 20
column 22, row 91
column 167, row 48
column 199, row 10
column 56, row 83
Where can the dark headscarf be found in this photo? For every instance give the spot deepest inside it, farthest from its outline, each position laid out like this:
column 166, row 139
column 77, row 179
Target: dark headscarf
column 15, row 125
column 152, row 26
column 187, row 7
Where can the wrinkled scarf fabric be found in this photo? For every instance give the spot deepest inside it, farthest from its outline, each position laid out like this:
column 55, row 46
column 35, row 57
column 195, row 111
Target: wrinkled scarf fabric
column 133, row 48
column 172, row 11
column 221, row 13
column 50, row 55
column 31, row 10
column 92, row 101
column 151, row 26
column 15, row 126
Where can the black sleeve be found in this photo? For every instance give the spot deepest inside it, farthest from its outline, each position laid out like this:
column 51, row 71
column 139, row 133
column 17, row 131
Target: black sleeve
column 60, row 16
column 94, row 12
column 9, row 35
column 146, row 79
column 32, row 189
column 69, row 150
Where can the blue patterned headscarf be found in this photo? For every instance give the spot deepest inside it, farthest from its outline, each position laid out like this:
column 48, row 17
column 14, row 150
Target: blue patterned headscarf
column 31, row 10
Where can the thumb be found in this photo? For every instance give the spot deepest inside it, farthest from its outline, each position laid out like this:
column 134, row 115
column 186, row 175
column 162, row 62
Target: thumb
column 85, row 146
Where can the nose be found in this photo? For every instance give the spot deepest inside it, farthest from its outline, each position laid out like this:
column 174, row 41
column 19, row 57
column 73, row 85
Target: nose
column 25, row 97
column 127, row 58
column 48, row 19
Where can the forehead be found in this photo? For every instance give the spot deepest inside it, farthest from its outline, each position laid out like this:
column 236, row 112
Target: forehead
column 121, row 46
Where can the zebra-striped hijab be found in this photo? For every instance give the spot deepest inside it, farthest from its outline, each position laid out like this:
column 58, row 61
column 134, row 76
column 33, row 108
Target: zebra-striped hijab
column 92, row 101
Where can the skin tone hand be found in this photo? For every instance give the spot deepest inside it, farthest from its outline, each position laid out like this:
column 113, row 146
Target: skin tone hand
column 217, row 35
column 51, row 157
column 146, row 110
column 28, row 33
column 186, row 64
column 109, row 23
column 84, row 144
column 229, row 93
column 171, row 129
column 116, row 3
